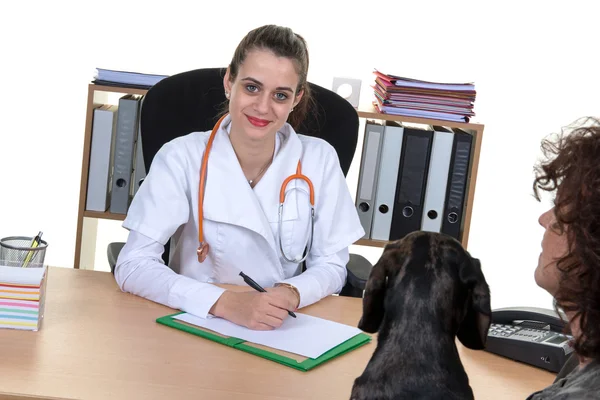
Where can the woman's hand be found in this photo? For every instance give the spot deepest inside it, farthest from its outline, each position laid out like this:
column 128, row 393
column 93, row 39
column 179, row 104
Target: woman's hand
column 285, row 294
column 256, row 310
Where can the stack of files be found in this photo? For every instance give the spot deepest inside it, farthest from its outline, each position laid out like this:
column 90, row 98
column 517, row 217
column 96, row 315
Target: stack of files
column 415, row 98
column 126, row 79
column 22, row 294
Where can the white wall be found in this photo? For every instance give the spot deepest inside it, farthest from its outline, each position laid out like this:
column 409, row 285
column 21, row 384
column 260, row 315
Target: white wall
column 531, row 63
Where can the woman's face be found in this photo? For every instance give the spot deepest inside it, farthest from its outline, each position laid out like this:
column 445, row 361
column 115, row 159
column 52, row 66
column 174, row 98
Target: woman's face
column 554, row 246
column 262, row 95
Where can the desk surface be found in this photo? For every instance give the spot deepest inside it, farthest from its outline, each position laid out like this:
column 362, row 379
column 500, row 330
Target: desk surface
column 99, row 343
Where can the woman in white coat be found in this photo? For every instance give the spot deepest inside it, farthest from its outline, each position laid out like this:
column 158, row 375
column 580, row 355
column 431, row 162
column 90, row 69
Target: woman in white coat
column 254, row 149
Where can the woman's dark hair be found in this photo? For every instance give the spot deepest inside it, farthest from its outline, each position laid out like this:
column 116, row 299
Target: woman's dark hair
column 571, row 169
column 283, row 42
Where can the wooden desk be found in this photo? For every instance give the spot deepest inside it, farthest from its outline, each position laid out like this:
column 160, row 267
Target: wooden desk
column 99, row 343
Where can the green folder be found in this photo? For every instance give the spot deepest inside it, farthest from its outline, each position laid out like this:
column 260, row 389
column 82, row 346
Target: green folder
column 308, row 364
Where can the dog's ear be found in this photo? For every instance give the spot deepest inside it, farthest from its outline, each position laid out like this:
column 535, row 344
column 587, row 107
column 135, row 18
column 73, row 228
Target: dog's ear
column 373, row 300
column 473, row 330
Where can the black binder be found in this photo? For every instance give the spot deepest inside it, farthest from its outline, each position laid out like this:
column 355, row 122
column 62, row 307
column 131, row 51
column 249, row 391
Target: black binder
column 456, row 189
column 412, row 182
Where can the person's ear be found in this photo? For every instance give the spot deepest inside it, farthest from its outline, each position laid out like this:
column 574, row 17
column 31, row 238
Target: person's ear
column 227, row 83
column 298, row 98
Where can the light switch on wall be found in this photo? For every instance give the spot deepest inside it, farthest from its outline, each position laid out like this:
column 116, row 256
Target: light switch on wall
column 348, row 88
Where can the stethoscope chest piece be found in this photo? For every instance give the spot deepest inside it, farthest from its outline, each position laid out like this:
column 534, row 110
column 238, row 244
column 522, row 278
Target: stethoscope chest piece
column 202, row 251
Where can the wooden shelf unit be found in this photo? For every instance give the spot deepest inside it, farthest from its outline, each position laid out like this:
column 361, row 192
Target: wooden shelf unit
column 85, row 163
column 368, row 113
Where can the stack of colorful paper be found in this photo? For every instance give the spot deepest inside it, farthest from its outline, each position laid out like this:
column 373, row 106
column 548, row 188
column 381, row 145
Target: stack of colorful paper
column 415, row 98
column 22, row 297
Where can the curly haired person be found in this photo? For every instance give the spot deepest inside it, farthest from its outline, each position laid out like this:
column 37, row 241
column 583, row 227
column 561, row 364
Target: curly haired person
column 569, row 264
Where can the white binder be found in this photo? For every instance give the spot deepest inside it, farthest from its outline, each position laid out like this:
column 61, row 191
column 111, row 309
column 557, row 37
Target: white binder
column 367, row 178
column 103, row 131
column 386, row 182
column 435, row 193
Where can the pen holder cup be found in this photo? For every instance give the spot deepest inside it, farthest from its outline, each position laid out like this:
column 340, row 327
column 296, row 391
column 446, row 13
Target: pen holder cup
column 16, row 251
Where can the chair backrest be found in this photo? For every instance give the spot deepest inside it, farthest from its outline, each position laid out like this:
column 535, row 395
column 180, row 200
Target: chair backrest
column 192, row 102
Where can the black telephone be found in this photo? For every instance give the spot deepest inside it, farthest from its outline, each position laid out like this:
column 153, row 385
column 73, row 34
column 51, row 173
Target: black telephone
column 530, row 335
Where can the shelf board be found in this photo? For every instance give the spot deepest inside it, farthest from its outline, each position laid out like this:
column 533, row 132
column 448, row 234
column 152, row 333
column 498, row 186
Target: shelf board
column 374, row 114
column 117, row 89
column 104, row 215
column 371, row 242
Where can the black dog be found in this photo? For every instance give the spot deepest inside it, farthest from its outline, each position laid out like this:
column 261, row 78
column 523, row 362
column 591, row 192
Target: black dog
column 424, row 291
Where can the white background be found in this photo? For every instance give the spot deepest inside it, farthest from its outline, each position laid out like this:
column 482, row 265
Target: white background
column 534, row 65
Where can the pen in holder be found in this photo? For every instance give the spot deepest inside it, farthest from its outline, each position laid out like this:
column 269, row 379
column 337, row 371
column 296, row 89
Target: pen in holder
column 23, row 251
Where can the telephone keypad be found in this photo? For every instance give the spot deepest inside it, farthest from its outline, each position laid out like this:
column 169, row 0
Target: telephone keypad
column 516, row 332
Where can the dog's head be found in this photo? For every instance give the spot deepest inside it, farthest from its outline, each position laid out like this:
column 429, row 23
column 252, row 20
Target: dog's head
column 432, row 269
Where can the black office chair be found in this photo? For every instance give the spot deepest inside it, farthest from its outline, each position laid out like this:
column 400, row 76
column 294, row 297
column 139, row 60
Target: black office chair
column 192, row 101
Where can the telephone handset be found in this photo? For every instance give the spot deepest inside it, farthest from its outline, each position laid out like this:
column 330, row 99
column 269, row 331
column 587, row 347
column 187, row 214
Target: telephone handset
column 530, row 335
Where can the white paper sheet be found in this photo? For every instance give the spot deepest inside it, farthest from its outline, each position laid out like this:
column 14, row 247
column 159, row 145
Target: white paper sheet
column 22, row 276
column 305, row 335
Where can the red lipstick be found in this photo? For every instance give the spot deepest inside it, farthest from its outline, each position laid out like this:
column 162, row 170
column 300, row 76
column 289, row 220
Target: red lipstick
column 260, row 123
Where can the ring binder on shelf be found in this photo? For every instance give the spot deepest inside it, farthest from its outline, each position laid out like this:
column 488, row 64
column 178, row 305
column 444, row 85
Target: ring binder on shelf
column 367, row 179
column 457, row 183
column 437, row 180
column 386, row 181
column 412, row 180
column 127, row 130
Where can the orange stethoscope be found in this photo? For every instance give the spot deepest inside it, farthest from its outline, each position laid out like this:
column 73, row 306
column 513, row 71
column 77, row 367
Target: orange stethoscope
column 203, row 246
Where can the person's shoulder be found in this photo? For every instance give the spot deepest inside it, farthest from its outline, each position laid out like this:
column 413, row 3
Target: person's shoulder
column 589, row 377
column 580, row 384
column 185, row 141
column 313, row 141
column 186, row 145
column 318, row 147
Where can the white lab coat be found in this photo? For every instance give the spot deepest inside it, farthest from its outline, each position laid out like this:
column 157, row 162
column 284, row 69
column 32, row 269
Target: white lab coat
column 240, row 223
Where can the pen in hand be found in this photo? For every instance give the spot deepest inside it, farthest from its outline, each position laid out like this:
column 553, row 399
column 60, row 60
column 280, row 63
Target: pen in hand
column 256, row 286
